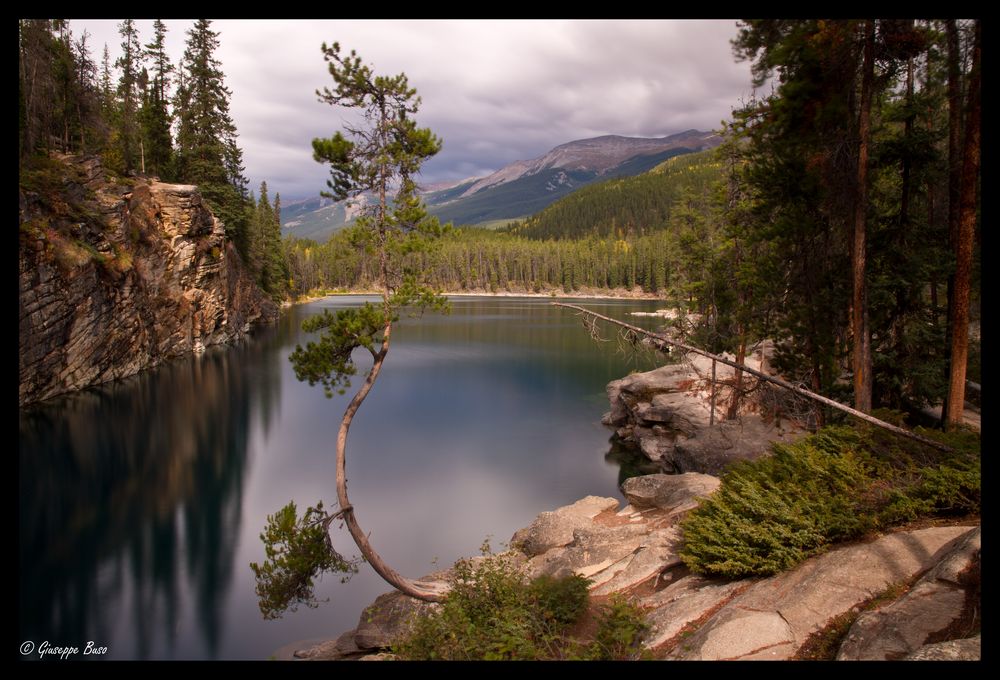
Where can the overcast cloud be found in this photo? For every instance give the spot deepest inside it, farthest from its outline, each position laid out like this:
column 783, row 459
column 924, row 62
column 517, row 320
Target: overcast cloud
column 494, row 91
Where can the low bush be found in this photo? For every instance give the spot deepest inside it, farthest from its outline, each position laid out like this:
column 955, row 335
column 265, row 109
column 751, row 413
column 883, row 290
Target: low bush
column 837, row 484
column 493, row 613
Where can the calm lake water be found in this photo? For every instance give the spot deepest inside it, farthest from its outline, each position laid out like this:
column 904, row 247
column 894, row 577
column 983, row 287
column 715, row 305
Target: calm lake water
column 141, row 502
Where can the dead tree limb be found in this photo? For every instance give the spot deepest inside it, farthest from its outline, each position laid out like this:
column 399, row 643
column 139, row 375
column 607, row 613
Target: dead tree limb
column 663, row 340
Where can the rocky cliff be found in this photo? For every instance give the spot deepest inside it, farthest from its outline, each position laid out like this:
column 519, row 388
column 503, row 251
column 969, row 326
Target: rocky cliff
column 115, row 278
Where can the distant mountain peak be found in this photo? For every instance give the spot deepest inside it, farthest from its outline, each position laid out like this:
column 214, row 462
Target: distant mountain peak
column 595, row 154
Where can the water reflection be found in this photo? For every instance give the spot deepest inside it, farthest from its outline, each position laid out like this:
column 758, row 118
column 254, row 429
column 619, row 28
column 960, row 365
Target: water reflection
column 631, row 462
column 141, row 503
column 130, row 501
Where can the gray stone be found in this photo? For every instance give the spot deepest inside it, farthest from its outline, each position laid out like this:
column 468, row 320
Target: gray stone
column 592, row 552
column 960, row 559
column 381, row 656
column 342, row 647
column 967, row 649
column 658, row 553
column 900, row 628
column 935, row 602
column 554, row 529
column 823, row 587
column 668, row 491
column 714, row 449
column 680, row 603
column 388, row 619
column 744, row 634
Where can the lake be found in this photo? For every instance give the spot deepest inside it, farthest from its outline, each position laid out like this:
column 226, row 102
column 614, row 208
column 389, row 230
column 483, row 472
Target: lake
column 141, row 502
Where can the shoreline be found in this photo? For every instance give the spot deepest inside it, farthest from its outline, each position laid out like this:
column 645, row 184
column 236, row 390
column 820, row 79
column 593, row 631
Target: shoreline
column 505, row 294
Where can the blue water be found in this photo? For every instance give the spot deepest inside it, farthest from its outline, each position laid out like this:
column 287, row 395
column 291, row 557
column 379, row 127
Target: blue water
column 141, row 502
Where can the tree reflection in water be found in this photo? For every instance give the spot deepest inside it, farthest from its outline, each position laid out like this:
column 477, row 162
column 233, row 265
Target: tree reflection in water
column 130, row 500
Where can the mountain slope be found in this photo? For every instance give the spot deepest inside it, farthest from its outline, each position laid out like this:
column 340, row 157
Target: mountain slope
column 523, row 187
column 627, row 205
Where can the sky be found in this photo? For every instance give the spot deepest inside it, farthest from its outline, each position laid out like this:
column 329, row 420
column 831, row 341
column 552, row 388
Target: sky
column 495, row 91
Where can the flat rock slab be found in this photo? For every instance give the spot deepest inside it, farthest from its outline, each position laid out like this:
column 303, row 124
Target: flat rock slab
column 680, row 603
column 810, row 596
column 935, row 602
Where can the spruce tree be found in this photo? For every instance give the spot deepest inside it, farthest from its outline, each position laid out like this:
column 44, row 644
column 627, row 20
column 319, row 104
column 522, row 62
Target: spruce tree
column 155, row 119
column 129, row 93
column 207, row 153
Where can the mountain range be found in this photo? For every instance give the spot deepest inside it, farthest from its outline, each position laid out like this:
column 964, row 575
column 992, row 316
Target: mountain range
column 517, row 190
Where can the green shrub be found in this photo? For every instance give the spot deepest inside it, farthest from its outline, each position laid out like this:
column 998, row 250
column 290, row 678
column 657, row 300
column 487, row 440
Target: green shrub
column 560, row 600
column 620, row 630
column 837, row 484
column 491, row 613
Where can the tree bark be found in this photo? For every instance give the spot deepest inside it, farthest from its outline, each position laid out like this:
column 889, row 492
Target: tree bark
column 958, row 311
column 378, row 564
column 954, row 177
column 859, row 313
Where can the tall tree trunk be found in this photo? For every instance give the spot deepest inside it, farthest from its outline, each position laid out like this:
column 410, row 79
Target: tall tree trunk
column 360, row 538
column 954, row 174
column 859, row 312
column 958, row 312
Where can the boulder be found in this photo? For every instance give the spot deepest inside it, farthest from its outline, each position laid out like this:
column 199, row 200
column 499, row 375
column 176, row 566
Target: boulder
column 714, row 449
column 340, row 648
column 387, row 619
column 657, row 553
column 966, row 649
column 638, row 390
column 668, row 491
column 555, row 529
column 595, row 552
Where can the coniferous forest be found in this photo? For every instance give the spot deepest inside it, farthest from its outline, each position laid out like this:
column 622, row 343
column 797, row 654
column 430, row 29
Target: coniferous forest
column 841, row 212
column 156, row 118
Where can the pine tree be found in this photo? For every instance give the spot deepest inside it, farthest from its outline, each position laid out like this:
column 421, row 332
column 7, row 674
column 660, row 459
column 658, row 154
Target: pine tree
column 129, row 94
column 155, row 119
column 381, row 158
column 207, row 153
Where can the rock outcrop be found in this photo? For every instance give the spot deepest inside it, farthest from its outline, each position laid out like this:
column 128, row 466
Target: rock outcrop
column 933, row 604
column 666, row 413
column 114, row 279
column 773, row 617
column 634, row 551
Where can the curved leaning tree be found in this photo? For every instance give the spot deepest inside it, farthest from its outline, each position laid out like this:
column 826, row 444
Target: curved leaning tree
column 378, row 157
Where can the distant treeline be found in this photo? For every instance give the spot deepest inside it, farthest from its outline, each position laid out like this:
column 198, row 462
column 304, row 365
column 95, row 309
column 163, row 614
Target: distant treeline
column 481, row 260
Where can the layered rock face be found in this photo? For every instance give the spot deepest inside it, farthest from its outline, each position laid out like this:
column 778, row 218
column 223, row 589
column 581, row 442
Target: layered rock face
column 114, row 279
column 666, row 412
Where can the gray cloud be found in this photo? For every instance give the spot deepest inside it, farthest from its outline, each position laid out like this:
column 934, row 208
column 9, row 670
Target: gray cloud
column 494, row 91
